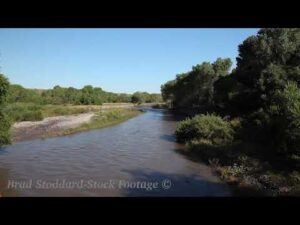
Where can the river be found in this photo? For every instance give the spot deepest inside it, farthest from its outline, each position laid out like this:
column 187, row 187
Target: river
column 138, row 157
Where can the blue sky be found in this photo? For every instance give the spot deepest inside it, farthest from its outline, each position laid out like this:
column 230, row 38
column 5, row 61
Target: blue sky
column 117, row 60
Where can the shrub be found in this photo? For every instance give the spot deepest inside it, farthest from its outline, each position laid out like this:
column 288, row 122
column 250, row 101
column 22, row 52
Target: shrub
column 4, row 129
column 23, row 112
column 208, row 127
column 32, row 116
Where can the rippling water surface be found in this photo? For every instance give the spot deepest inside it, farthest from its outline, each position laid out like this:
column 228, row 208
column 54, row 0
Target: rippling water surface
column 140, row 151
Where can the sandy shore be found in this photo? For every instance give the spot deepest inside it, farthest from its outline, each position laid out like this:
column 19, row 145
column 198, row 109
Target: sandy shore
column 57, row 125
column 50, row 126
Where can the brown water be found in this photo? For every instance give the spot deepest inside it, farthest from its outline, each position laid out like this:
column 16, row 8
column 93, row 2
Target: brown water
column 121, row 160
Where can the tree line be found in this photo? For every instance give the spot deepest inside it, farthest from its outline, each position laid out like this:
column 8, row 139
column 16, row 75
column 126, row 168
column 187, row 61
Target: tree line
column 262, row 91
column 88, row 95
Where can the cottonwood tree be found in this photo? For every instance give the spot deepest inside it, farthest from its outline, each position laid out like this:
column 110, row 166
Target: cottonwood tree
column 268, row 69
column 4, row 120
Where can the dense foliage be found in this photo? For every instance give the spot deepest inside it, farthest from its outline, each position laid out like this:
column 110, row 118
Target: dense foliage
column 19, row 94
column 4, row 119
column 195, row 89
column 144, row 97
column 268, row 71
column 263, row 89
column 88, row 95
column 211, row 128
column 23, row 112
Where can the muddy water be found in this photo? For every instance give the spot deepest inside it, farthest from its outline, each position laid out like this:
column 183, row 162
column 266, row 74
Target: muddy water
column 136, row 158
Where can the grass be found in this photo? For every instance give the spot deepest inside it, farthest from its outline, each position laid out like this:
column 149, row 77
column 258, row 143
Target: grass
column 59, row 110
column 20, row 111
column 105, row 118
column 23, row 112
column 33, row 112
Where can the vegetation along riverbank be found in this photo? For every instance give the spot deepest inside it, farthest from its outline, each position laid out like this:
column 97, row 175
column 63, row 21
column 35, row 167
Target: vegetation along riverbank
column 61, row 111
column 245, row 122
column 69, row 124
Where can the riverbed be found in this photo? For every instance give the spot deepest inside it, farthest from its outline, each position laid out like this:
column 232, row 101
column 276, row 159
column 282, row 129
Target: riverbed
column 138, row 157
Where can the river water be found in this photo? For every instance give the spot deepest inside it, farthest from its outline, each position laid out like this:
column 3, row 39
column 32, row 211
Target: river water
column 136, row 158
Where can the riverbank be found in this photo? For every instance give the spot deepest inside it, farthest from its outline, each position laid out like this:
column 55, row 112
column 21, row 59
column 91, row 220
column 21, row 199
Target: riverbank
column 69, row 124
column 248, row 172
column 251, row 167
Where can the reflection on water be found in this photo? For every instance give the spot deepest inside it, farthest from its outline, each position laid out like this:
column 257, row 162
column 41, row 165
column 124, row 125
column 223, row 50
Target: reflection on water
column 138, row 150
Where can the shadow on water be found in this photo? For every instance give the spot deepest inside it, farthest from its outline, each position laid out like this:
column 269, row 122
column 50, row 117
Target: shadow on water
column 174, row 185
column 168, row 116
column 188, row 155
column 167, row 137
column 164, row 114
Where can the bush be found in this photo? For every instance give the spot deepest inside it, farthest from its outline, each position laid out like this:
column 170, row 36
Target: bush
column 4, row 129
column 32, row 116
column 208, row 127
column 24, row 112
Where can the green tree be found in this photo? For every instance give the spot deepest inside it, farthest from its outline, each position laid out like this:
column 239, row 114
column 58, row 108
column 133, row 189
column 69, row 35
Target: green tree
column 145, row 97
column 266, row 66
column 285, row 119
column 195, row 89
column 137, row 97
column 17, row 93
column 267, row 60
column 4, row 88
column 4, row 119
